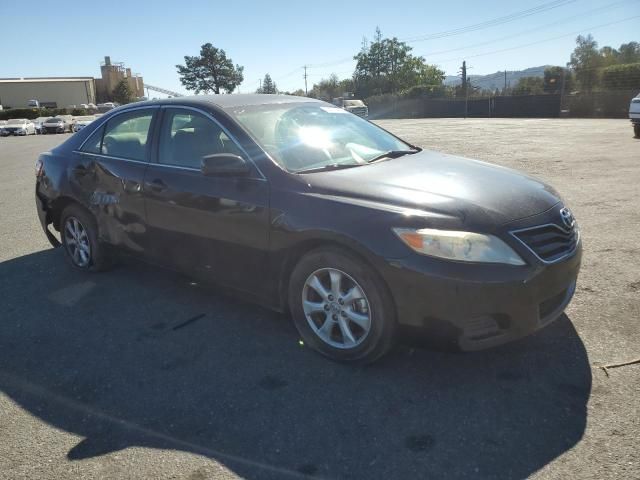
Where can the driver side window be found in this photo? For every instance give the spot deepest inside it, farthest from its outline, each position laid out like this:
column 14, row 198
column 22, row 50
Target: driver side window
column 186, row 136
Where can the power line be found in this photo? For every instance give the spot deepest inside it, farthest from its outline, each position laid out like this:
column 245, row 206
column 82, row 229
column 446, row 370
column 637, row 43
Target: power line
column 577, row 32
column 487, row 24
column 490, row 23
column 525, row 32
column 469, row 28
column 297, row 69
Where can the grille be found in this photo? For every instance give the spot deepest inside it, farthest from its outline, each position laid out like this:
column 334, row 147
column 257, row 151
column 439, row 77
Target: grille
column 360, row 111
column 549, row 242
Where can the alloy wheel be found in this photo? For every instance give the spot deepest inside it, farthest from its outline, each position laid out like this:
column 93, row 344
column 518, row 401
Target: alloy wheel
column 336, row 308
column 77, row 242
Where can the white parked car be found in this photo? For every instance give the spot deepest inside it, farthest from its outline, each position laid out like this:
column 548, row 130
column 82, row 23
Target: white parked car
column 18, row 126
column 37, row 122
column 634, row 115
column 80, row 122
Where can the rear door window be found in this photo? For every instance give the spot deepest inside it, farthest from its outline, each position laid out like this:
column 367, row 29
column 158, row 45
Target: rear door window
column 126, row 135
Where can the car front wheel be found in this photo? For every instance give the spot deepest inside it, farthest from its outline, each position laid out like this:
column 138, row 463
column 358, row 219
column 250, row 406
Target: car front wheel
column 341, row 307
column 79, row 235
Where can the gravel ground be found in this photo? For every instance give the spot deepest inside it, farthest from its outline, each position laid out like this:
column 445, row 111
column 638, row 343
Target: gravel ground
column 100, row 377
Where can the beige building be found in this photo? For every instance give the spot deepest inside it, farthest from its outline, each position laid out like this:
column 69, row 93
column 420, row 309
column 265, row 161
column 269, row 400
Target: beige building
column 112, row 74
column 55, row 92
column 63, row 92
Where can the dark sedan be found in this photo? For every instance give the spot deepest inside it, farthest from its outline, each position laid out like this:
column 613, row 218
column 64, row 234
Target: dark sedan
column 55, row 125
column 311, row 210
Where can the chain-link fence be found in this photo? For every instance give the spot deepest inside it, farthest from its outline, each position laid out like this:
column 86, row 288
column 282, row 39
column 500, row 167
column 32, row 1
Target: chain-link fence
column 611, row 104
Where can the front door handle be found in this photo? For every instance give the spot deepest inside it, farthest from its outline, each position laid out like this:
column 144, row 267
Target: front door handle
column 158, row 185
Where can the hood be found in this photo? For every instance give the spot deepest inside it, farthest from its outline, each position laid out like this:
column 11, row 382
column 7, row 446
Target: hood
column 479, row 194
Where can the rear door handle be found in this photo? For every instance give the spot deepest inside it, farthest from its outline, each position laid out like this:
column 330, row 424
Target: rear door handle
column 158, row 185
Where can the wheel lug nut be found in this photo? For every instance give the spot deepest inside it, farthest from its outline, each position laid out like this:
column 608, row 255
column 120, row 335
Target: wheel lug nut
column 335, row 317
column 331, row 298
column 341, row 301
column 326, row 307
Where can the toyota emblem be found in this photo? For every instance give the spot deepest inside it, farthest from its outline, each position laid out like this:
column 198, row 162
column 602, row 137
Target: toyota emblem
column 567, row 218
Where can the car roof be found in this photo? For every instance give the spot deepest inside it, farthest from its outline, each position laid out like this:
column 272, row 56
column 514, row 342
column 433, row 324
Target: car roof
column 228, row 101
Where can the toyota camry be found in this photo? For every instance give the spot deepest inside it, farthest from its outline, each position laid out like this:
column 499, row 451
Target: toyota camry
column 311, row 210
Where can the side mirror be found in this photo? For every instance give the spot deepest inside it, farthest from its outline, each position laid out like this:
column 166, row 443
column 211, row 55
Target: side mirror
column 224, row 165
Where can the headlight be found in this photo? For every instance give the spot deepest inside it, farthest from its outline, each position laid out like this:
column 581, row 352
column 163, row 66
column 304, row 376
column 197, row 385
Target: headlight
column 21, row 130
column 461, row 246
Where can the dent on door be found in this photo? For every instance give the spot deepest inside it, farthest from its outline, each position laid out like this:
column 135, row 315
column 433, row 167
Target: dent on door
column 118, row 203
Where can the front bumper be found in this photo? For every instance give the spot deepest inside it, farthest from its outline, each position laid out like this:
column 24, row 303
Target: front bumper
column 473, row 306
column 53, row 129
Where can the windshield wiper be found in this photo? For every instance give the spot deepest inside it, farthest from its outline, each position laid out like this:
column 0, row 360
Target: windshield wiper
column 392, row 154
column 331, row 166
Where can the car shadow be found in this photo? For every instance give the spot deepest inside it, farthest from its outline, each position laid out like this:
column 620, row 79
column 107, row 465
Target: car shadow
column 143, row 357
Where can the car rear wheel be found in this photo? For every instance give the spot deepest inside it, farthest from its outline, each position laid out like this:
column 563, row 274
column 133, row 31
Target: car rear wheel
column 341, row 307
column 636, row 130
column 79, row 233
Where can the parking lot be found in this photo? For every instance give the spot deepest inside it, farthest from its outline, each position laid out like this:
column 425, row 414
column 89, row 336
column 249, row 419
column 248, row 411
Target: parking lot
column 142, row 373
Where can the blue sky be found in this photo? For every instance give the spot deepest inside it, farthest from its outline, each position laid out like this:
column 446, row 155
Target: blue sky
column 70, row 38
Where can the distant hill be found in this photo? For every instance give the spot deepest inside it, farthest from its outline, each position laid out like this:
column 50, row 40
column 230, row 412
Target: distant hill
column 496, row 80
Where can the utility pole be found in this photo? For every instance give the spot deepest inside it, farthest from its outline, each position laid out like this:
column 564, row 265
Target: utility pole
column 305, row 81
column 561, row 91
column 465, row 87
column 505, row 82
column 260, row 87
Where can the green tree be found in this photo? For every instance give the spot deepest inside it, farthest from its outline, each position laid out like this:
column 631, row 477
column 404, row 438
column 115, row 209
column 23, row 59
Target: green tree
column 585, row 61
column 629, row 53
column 122, row 93
column 529, row 86
column 211, row 71
column 554, row 77
column 268, row 85
column 625, row 76
column 610, row 56
column 386, row 65
column 298, row 93
column 327, row 89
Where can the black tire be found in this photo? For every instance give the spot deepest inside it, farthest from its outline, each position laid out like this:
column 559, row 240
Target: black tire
column 636, row 130
column 381, row 311
column 98, row 258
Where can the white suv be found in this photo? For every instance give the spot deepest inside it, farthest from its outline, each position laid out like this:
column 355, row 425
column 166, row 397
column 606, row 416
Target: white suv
column 634, row 115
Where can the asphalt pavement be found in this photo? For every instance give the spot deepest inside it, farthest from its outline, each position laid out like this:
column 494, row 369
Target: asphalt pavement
column 143, row 373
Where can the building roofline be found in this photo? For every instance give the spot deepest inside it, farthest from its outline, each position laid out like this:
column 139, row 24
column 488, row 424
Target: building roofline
column 45, row 79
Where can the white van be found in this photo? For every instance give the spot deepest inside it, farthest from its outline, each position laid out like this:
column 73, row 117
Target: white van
column 634, row 114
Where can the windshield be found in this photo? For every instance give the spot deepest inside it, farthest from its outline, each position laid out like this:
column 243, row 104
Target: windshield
column 53, row 120
column 304, row 136
column 354, row 103
column 16, row 121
